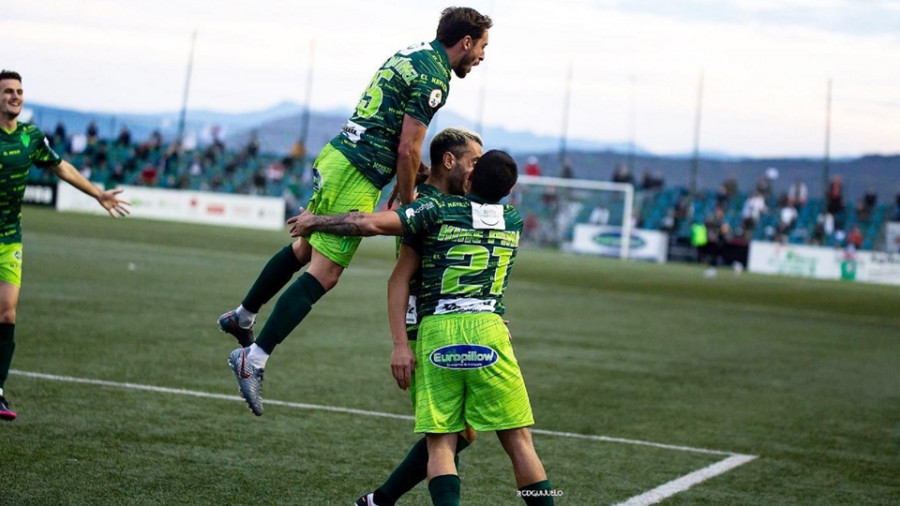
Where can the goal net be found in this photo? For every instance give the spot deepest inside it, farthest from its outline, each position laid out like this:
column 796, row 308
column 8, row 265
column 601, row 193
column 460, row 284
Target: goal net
column 553, row 207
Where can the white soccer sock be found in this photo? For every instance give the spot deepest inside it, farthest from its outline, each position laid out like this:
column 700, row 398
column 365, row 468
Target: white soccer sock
column 1, row 392
column 257, row 356
column 245, row 318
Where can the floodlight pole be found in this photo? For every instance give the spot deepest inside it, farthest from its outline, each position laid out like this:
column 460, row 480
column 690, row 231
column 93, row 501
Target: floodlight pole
column 565, row 124
column 632, row 120
column 825, row 168
column 304, row 127
column 481, row 95
column 695, row 161
column 187, row 86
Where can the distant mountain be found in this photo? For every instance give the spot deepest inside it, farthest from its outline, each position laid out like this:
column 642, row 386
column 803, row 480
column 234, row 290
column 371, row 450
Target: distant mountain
column 279, row 126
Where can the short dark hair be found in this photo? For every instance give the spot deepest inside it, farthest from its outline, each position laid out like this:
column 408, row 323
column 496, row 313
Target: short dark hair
column 454, row 140
column 457, row 22
column 494, row 176
column 10, row 74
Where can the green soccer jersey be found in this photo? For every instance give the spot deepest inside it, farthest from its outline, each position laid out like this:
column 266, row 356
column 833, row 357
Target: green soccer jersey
column 415, row 283
column 468, row 250
column 415, row 81
column 19, row 150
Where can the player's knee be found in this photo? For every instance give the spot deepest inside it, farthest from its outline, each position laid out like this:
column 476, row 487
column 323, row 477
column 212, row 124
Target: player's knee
column 469, row 434
column 8, row 315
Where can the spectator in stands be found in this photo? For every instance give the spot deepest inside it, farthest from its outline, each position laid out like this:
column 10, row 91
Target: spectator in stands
column 298, row 150
column 92, row 134
column 652, row 181
column 124, row 138
column 622, row 175
column 896, row 214
column 532, row 168
column 754, row 206
column 764, row 186
column 731, row 186
column 787, row 218
column 798, row 194
column 149, row 175
column 253, row 145
column 855, row 238
column 835, row 196
column 566, row 171
column 718, row 233
column 723, row 198
column 866, row 205
column 155, row 142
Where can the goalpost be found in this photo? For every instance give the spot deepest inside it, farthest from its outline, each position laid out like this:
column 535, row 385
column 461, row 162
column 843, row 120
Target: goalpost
column 552, row 206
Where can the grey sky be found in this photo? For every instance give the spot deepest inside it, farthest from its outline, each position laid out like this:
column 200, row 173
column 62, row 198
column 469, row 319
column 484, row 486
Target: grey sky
column 766, row 63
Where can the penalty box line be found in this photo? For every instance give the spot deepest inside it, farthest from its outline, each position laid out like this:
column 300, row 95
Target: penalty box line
column 731, row 461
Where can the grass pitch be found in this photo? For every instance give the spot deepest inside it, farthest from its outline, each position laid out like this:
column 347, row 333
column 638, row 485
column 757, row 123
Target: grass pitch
column 804, row 374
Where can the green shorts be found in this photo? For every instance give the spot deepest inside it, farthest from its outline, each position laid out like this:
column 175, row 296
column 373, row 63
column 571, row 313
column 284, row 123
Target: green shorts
column 11, row 263
column 339, row 188
column 466, row 372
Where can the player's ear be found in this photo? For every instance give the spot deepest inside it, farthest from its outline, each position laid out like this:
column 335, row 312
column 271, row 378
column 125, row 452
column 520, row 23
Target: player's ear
column 467, row 42
column 448, row 160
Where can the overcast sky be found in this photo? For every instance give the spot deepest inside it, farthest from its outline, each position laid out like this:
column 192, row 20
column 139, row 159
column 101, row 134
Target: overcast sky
column 766, row 64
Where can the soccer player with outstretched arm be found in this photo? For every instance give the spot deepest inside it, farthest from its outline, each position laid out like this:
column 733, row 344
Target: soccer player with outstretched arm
column 21, row 146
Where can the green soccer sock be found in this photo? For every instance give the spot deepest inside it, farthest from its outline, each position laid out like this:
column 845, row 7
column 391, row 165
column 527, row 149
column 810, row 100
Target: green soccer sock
column 291, row 308
column 544, row 499
column 7, row 346
column 445, row 490
column 409, row 473
column 277, row 272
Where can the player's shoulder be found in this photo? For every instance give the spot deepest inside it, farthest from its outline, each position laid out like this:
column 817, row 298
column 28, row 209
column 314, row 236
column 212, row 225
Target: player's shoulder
column 28, row 128
column 512, row 216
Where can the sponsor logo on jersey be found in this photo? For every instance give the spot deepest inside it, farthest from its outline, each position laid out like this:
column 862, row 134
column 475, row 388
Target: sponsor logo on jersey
column 412, row 316
column 463, row 356
column 353, row 131
column 465, row 305
column 434, row 101
column 488, row 216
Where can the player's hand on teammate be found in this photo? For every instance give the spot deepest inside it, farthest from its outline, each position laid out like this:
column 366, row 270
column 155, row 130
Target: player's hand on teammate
column 421, row 177
column 300, row 224
column 115, row 206
column 403, row 363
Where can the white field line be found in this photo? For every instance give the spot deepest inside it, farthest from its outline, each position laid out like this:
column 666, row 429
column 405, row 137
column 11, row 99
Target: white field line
column 651, row 497
column 687, row 481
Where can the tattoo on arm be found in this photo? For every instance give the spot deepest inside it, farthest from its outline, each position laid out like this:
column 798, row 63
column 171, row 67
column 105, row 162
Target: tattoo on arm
column 339, row 224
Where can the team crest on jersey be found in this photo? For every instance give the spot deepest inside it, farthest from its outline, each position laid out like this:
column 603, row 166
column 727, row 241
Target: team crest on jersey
column 26, row 139
column 435, row 99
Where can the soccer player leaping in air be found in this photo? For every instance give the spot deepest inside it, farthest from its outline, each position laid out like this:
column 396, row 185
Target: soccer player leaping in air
column 384, row 136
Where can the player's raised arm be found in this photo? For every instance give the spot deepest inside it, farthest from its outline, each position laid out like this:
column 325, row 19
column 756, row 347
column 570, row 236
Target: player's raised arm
column 109, row 199
column 409, row 157
column 403, row 361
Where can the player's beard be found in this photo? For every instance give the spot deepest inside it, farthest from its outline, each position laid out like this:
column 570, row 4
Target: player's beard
column 466, row 62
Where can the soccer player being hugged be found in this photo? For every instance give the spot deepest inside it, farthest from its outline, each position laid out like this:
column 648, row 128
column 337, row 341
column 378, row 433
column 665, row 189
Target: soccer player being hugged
column 382, row 138
column 21, row 146
column 464, row 366
column 454, row 152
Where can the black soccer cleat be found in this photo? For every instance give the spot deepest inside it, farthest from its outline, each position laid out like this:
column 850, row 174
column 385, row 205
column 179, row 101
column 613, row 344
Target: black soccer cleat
column 230, row 324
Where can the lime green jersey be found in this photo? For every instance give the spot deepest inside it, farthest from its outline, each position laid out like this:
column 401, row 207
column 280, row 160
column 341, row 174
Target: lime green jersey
column 19, row 150
column 468, row 250
column 415, row 82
